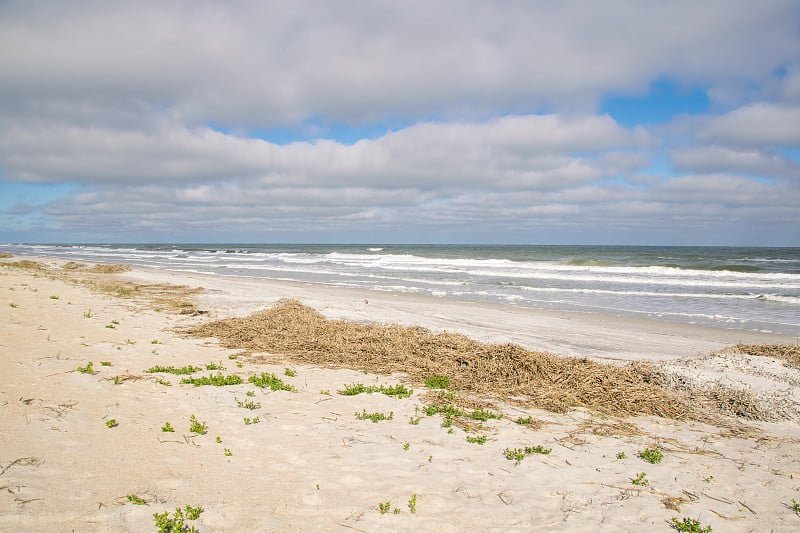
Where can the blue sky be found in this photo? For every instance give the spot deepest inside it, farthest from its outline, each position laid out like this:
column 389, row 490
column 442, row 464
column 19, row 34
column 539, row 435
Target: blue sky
column 501, row 122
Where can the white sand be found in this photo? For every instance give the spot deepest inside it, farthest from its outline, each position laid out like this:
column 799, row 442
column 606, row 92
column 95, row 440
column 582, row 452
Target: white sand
column 311, row 465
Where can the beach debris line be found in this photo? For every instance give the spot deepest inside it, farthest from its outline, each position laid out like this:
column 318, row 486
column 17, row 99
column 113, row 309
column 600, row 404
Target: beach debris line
column 502, row 371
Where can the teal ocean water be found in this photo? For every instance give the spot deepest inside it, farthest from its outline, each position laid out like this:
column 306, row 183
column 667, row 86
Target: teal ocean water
column 730, row 287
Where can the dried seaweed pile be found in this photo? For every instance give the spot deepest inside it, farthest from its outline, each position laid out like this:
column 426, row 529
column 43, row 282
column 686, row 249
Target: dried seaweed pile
column 788, row 352
column 98, row 268
column 504, row 371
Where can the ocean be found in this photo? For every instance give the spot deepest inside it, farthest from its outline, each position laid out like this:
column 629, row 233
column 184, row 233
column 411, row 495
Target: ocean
column 730, row 287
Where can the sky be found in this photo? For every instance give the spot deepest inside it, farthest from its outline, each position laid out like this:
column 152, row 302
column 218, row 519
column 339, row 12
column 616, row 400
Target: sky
column 506, row 122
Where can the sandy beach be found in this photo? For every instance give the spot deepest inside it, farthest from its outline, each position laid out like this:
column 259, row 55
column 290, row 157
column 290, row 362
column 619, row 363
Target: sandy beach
column 83, row 445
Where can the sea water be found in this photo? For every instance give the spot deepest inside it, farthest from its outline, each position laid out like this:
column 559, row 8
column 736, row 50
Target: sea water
column 730, row 287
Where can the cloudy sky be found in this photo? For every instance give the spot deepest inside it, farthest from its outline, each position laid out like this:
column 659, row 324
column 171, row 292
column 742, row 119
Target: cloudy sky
column 613, row 122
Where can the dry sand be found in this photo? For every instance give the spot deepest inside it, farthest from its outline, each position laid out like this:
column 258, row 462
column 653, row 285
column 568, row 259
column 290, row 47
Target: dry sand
column 311, row 465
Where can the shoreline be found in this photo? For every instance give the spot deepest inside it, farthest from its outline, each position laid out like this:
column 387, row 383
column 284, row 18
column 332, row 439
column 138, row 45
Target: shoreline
column 309, row 463
column 569, row 333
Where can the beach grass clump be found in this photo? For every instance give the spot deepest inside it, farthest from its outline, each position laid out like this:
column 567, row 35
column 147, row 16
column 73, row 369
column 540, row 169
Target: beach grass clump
column 167, row 428
column 248, row 404
column 136, row 500
column 195, row 426
column 689, row 525
column 189, row 369
column 374, row 417
column 502, row 371
column 437, row 381
column 652, row 455
column 176, row 523
column 214, row 366
column 217, row 380
column 518, row 454
column 640, row 480
column 477, row 440
column 88, row 369
column 289, row 373
column 271, row 381
column 359, row 388
column 111, row 423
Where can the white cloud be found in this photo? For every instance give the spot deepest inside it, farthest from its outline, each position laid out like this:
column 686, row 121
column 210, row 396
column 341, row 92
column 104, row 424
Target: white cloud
column 715, row 159
column 756, row 124
column 257, row 64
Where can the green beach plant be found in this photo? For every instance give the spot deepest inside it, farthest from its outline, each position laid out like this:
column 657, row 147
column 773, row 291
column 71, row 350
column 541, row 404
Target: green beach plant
column 249, row 404
column 621, row 455
column 374, row 417
column 195, row 426
column 289, row 372
column 518, row 454
column 167, row 428
column 265, row 380
column 359, row 388
column 217, row 380
column 214, row 366
column 652, row 455
column 412, row 503
column 437, row 381
column 689, row 525
column 136, row 500
column 189, row 369
column 111, row 423
column 640, row 480
column 477, row 440
column 177, row 522
column 227, row 452
column 384, row 507
column 105, row 363
column 88, row 369
column 527, row 421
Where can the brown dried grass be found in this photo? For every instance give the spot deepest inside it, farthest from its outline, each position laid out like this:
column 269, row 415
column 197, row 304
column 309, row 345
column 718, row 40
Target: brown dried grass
column 501, row 371
column 6, row 256
column 789, row 353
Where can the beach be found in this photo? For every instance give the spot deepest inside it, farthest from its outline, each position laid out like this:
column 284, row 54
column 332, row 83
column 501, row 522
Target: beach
column 84, row 447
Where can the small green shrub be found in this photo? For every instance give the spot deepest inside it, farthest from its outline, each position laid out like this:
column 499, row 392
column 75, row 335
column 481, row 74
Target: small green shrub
column 375, row 417
column 189, row 369
column 250, row 393
column 136, row 500
column 249, row 404
column 219, row 439
column 518, row 454
column 621, row 455
column 177, row 522
column 217, row 380
column 88, row 369
column 652, row 455
column 13, row 305
column 265, row 380
column 111, row 423
column 527, row 421
column 227, row 452
column 195, row 426
column 437, row 381
column 248, row 421
column 167, row 428
column 384, row 507
column 412, row 503
column 105, row 363
column 289, row 372
column 414, row 420
column 640, row 480
column 477, row 440
column 87, row 314
column 795, row 507
column 689, row 525
column 359, row 388
column 215, row 366
column 406, row 446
